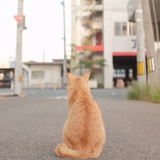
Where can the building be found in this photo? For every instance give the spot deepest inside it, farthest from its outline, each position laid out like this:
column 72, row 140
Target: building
column 34, row 74
column 6, row 73
column 103, row 26
column 44, row 74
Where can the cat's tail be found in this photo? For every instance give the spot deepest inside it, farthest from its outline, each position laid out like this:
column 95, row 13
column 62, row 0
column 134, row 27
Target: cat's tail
column 62, row 150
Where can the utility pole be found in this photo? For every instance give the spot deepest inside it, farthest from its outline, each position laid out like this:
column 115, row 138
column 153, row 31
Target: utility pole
column 151, row 54
column 73, row 61
column 64, row 38
column 18, row 66
column 108, row 30
column 44, row 51
column 141, row 61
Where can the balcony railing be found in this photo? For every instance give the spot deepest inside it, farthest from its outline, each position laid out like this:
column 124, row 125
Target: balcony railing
column 98, row 1
column 92, row 2
column 94, row 31
column 93, row 39
column 86, row 22
column 87, row 40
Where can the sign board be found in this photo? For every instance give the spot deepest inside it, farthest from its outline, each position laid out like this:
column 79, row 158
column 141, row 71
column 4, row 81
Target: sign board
column 19, row 18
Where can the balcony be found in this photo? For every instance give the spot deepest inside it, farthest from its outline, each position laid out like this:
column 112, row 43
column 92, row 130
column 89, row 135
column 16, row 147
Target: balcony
column 87, row 2
column 99, row 2
column 91, row 2
column 86, row 22
column 90, row 5
column 87, row 40
column 96, row 38
column 94, row 32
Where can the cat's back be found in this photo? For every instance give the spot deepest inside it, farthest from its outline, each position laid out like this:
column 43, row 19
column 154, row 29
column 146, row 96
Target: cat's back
column 86, row 109
column 86, row 118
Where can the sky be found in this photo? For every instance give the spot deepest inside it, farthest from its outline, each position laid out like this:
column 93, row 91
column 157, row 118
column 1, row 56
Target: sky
column 44, row 34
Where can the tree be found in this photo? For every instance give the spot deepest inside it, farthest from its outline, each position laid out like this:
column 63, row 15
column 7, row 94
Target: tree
column 87, row 61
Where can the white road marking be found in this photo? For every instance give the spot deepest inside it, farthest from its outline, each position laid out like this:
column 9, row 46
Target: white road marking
column 61, row 97
column 58, row 97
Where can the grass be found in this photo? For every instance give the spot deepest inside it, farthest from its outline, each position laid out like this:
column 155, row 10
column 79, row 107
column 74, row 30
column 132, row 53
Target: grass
column 144, row 92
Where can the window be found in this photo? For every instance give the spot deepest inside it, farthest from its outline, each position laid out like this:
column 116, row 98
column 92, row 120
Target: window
column 130, row 73
column 119, row 73
column 37, row 74
column 99, row 38
column 124, row 28
column 117, row 28
column 120, row 28
column 132, row 28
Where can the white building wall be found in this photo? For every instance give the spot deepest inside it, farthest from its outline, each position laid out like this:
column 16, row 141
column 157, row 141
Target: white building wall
column 52, row 76
column 120, row 16
column 124, row 44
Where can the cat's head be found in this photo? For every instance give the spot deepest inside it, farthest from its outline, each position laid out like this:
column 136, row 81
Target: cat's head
column 80, row 83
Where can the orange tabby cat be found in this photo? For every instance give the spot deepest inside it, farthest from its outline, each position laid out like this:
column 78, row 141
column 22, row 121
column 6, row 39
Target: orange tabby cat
column 83, row 133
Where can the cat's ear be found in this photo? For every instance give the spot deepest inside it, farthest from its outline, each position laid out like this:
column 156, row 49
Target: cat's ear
column 70, row 75
column 86, row 76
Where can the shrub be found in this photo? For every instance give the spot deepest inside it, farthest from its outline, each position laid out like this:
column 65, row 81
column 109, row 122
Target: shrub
column 144, row 92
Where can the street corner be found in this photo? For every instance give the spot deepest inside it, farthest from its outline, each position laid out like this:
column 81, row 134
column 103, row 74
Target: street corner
column 7, row 95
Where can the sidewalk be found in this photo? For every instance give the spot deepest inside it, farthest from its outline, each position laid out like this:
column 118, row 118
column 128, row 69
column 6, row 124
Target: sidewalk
column 6, row 92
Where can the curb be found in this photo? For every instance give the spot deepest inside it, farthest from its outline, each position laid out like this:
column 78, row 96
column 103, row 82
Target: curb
column 8, row 95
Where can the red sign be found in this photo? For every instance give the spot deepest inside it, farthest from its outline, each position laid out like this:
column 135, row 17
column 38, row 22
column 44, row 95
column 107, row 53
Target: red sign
column 19, row 18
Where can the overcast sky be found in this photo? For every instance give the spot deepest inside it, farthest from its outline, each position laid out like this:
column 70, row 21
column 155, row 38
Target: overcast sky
column 44, row 22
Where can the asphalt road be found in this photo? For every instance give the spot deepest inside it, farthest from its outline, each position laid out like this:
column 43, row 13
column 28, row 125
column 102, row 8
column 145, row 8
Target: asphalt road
column 31, row 126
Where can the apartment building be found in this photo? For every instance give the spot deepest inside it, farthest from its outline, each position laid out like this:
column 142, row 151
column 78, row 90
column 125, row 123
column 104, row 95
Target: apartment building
column 102, row 26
